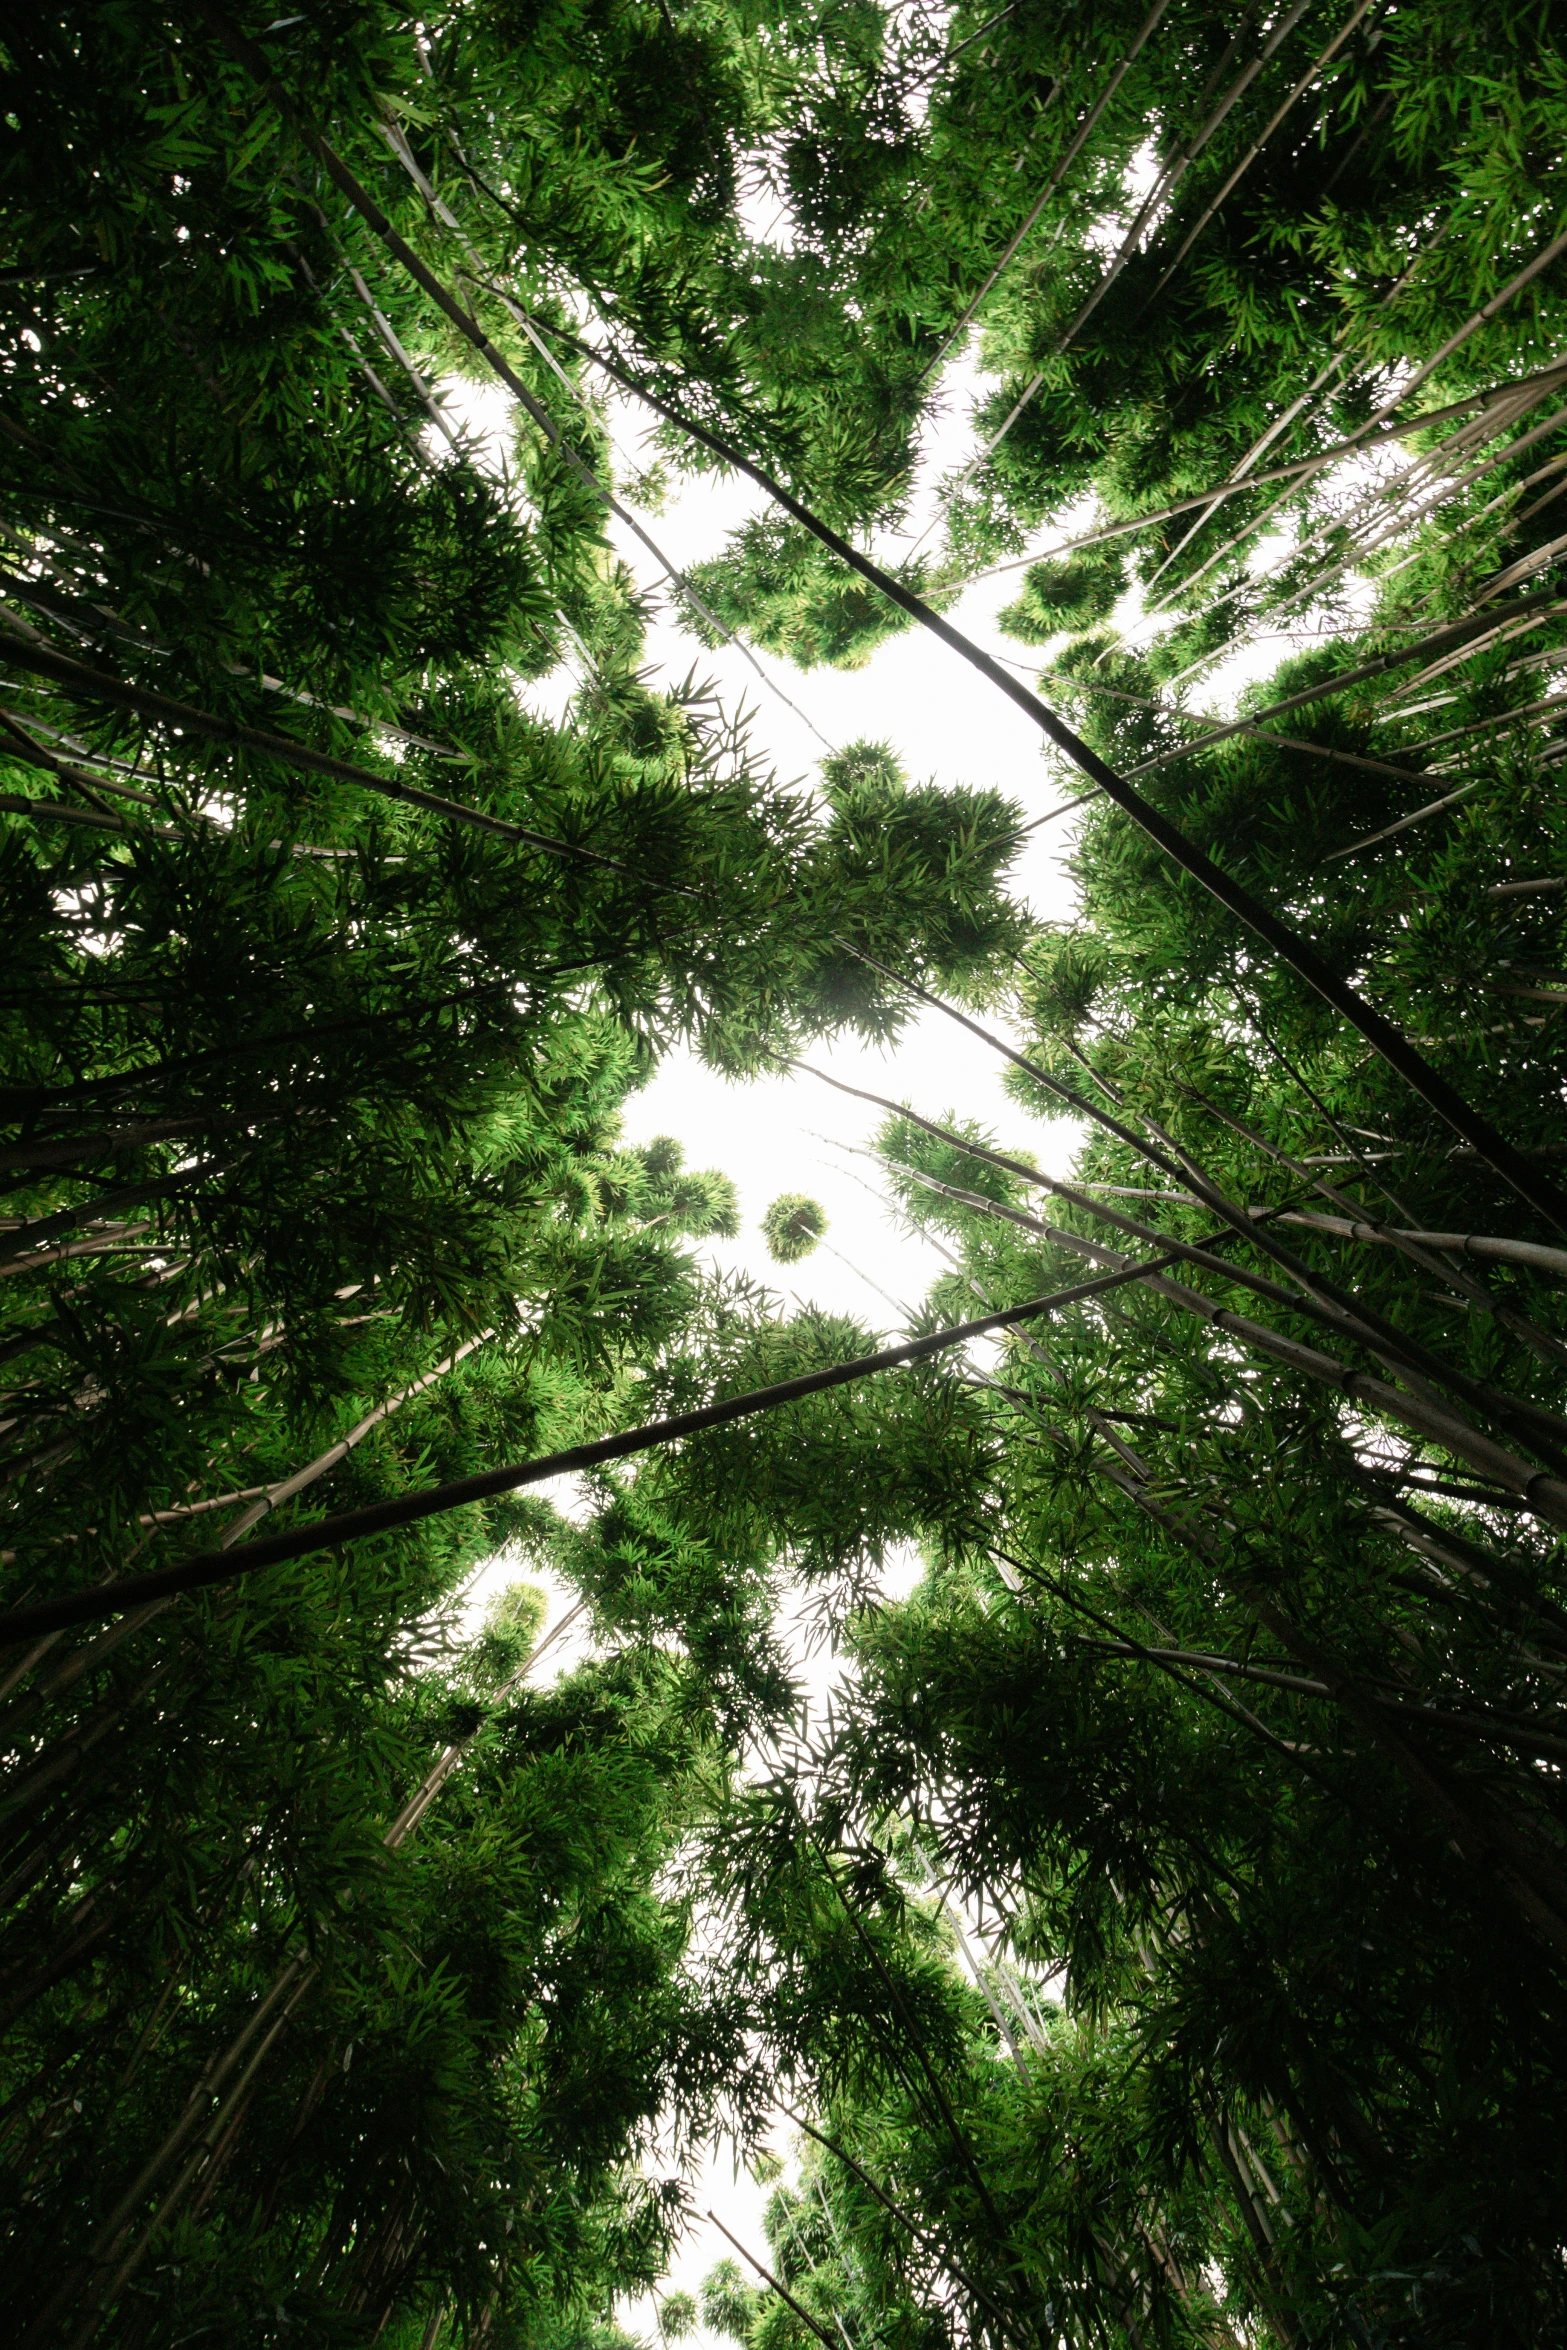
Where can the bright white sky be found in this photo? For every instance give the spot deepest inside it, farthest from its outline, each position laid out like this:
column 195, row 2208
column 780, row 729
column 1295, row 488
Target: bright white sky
column 777, row 1135
column 943, row 722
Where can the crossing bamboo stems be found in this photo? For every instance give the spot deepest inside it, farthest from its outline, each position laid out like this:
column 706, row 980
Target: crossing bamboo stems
column 1303, row 401
column 1455, row 342
column 1177, row 169
column 1319, row 64
column 1323, row 1299
column 1167, row 180
column 95, row 686
column 395, row 139
column 290, row 1985
column 1074, row 148
column 1458, row 641
column 1447, row 489
column 218, row 1567
column 1393, row 431
column 921, row 2236
column 1540, row 1490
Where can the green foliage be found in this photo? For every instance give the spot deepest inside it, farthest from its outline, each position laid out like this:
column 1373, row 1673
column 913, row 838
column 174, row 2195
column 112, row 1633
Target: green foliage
column 677, row 2316
column 1060, row 597
column 1165, row 1927
column 792, row 1226
column 785, row 590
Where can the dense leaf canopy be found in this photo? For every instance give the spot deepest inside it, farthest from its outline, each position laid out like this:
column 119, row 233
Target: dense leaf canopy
column 1162, row 1936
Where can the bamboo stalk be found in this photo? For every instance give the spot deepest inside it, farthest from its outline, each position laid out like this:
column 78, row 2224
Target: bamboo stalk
column 921, row 2236
column 1481, row 1726
column 1521, row 620
column 389, row 337
column 38, row 1102
column 1421, row 1411
column 95, row 685
column 1455, row 342
column 109, row 1240
column 1285, row 742
column 1470, row 1244
column 781, row 2290
column 124, row 633
column 1541, row 1342
column 1175, row 171
column 1435, row 465
column 1496, row 721
column 1512, row 490
column 1432, row 462
column 1392, row 431
column 1448, row 488
column 393, row 134
column 24, row 1789
column 1514, row 572
column 1298, row 406
column 274, row 1495
column 1459, row 641
column 1416, row 816
column 103, row 2290
column 1542, row 1493
column 1483, row 1837
column 209, row 1568
column 1168, row 178
column 1414, row 1361
column 979, row 1972
column 81, row 1660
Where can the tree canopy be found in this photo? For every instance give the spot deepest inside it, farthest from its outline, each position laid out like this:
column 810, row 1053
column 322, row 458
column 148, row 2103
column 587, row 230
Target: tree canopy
column 1160, row 1938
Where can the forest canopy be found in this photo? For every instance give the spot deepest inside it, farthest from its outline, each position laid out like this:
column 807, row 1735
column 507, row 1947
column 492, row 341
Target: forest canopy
column 1159, row 1941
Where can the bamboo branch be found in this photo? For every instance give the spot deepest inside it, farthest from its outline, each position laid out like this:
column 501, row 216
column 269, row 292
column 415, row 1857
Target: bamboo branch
column 782, row 2291
column 95, row 685
column 197, row 1574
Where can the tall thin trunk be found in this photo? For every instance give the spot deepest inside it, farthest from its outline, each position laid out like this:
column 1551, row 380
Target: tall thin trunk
column 285, row 1490
column 895, row 2210
column 210, row 1568
column 1323, row 1299
column 1542, row 1494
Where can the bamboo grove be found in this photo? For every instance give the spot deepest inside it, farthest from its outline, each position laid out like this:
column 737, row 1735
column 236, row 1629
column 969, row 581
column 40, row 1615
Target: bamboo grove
column 1162, row 1937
